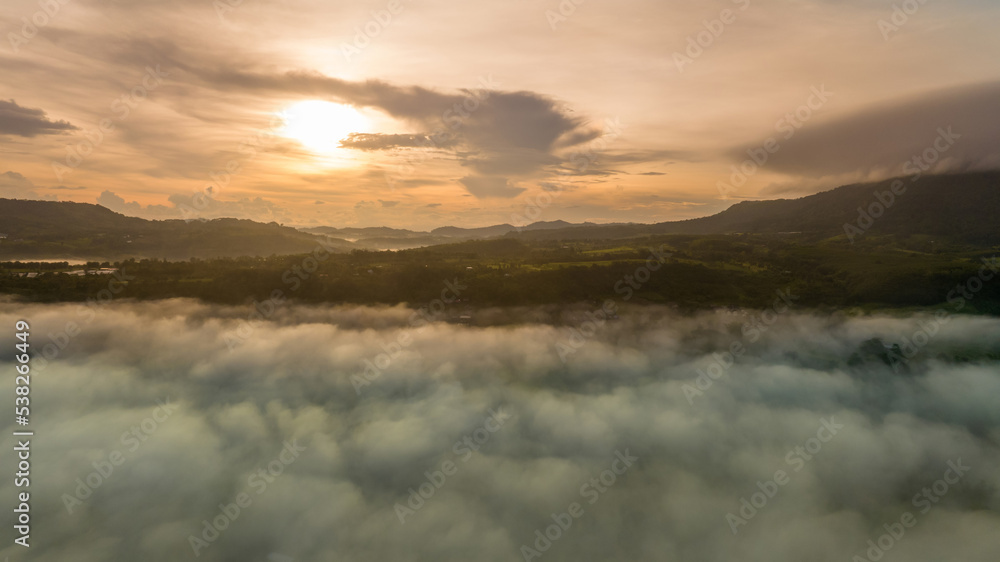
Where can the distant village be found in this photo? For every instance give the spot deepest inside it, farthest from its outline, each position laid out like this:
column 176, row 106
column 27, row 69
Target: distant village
column 74, row 272
column 34, row 268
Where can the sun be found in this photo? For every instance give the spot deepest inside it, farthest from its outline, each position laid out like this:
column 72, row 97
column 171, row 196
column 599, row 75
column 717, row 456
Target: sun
column 320, row 125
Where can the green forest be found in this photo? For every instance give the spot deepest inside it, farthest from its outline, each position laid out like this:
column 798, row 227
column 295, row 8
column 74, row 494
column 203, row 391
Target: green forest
column 687, row 271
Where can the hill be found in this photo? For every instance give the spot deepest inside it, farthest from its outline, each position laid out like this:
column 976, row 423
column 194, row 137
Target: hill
column 385, row 238
column 945, row 209
column 960, row 208
column 65, row 230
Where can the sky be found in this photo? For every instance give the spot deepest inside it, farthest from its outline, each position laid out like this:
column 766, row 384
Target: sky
column 419, row 114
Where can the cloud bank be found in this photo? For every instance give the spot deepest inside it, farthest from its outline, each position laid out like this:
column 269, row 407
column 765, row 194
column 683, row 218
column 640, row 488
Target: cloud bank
column 879, row 140
column 623, row 390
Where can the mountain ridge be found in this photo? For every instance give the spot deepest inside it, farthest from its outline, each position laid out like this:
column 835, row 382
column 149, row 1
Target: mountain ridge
column 960, row 207
column 64, row 229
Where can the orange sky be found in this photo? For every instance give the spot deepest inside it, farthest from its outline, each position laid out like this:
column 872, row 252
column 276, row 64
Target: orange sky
column 472, row 113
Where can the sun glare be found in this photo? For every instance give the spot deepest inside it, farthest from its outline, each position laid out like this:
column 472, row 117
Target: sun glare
column 321, row 125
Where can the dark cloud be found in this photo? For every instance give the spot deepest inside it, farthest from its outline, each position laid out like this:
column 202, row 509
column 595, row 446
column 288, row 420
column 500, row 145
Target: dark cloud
column 28, row 122
column 663, row 157
column 494, row 132
column 879, row 140
column 599, row 158
column 514, row 161
column 377, row 141
column 490, row 186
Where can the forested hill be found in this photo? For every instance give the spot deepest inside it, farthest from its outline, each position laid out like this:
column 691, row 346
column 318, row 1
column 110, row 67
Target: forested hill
column 961, row 208
column 953, row 208
column 49, row 229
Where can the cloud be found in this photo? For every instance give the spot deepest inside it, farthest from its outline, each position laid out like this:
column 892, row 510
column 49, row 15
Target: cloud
column 222, row 90
column 377, row 141
column 874, row 143
column 252, row 208
column 116, row 203
column 186, row 207
column 484, row 187
column 493, row 132
column 27, row 122
column 15, row 186
column 111, row 200
column 622, row 390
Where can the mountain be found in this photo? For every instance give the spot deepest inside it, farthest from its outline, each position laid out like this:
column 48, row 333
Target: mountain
column 957, row 207
column 385, row 238
column 27, row 219
column 367, row 232
column 472, row 233
column 65, row 230
column 961, row 208
column 379, row 237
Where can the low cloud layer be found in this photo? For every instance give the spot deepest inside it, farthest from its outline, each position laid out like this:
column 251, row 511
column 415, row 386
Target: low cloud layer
column 622, row 390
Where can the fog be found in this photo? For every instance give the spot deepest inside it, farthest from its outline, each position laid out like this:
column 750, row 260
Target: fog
column 348, row 449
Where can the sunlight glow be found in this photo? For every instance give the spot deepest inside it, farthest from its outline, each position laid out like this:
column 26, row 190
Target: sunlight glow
column 320, row 125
